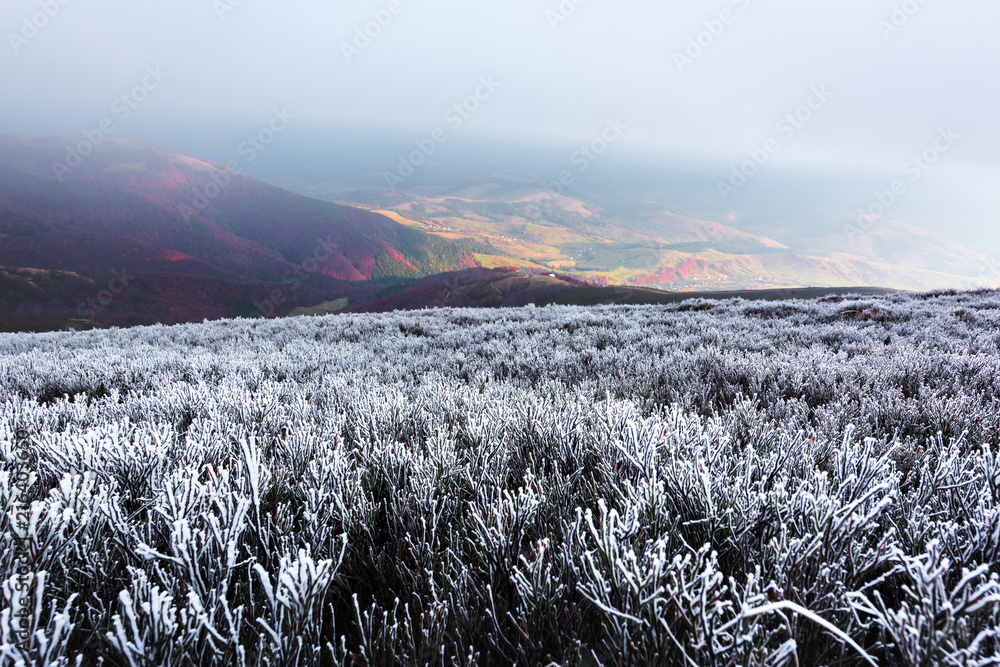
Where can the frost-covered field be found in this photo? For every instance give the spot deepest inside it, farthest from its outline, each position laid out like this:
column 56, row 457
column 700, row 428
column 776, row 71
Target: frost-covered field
column 732, row 484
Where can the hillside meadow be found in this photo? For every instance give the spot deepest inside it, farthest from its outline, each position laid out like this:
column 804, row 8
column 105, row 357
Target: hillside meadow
column 704, row 483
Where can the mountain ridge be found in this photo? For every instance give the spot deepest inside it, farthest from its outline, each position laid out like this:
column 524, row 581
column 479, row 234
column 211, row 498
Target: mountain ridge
column 135, row 208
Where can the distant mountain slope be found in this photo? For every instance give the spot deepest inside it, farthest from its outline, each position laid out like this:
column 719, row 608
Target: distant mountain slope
column 611, row 231
column 186, row 239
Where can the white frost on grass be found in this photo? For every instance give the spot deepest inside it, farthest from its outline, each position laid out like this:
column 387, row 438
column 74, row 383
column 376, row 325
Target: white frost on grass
column 724, row 483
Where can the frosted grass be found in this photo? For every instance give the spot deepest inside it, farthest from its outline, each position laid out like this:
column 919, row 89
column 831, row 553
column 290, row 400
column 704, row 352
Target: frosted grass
column 732, row 483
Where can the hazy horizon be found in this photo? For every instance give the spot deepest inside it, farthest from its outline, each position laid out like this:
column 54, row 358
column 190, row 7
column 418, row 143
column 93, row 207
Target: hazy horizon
column 699, row 88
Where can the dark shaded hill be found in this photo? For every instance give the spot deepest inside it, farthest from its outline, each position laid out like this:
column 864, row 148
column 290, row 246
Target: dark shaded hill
column 191, row 239
column 473, row 288
column 509, row 287
column 599, row 296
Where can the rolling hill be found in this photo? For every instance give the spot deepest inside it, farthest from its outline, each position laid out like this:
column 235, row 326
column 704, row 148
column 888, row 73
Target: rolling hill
column 474, row 288
column 605, row 232
column 136, row 233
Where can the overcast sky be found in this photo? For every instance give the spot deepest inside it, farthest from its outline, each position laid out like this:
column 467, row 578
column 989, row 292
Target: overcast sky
column 898, row 71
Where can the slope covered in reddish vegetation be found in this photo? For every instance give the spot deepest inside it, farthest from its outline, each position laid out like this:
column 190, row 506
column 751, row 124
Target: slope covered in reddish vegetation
column 668, row 275
column 197, row 240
